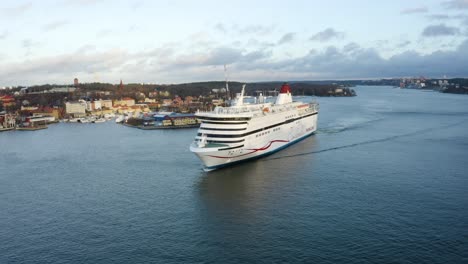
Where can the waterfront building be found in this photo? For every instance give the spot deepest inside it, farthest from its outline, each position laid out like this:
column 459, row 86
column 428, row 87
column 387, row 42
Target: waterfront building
column 126, row 101
column 55, row 112
column 7, row 100
column 7, row 121
column 89, row 106
column 167, row 102
column 106, row 103
column 76, row 108
column 103, row 111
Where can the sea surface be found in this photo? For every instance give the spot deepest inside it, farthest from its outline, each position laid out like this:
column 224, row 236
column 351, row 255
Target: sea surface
column 383, row 180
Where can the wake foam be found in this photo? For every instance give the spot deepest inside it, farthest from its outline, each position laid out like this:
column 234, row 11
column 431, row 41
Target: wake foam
column 418, row 132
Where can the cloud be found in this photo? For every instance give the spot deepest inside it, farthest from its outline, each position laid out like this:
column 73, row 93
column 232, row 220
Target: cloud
column 29, row 43
column 104, row 33
column 254, row 29
column 465, row 21
column 54, row 25
column 17, row 10
column 82, row 2
column 351, row 47
column 4, row 35
column 136, row 5
column 62, row 67
column 439, row 17
column 414, row 10
column 440, row 30
column 288, row 37
column 327, row 35
column 354, row 61
column 404, row 44
column 220, row 27
column 222, row 55
column 350, row 61
column 456, row 4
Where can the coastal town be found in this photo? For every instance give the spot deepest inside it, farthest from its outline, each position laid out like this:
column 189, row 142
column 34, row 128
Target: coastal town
column 145, row 106
column 152, row 106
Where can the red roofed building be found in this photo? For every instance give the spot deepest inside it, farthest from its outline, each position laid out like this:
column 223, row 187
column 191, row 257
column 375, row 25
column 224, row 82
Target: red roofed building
column 7, row 100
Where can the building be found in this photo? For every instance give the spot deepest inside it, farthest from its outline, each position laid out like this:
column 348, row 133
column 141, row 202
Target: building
column 55, row 112
column 93, row 105
column 75, row 82
column 7, row 100
column 106, row 104
column 167, row 102
column 165, row 93
column 126, row 101
column 75, row 108
column 96, row 105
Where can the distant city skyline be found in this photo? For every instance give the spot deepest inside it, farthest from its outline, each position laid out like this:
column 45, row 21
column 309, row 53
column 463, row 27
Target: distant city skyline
column 188, row 41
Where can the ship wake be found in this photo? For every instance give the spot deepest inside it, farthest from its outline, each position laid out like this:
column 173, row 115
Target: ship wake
column 418, row 132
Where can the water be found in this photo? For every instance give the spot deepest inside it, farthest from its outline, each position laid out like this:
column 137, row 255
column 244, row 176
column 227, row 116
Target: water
column 383, row 180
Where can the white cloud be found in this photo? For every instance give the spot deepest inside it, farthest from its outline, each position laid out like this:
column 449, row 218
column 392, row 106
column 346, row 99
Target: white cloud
column 54, row 25
column 440, row 30
column 82, row 2
column 456, row 4
column 259, row 30
column 327, row 35
column 286, row 38
column 4, row 35
column 17, row 10
column 170, row 64
column 415, row 10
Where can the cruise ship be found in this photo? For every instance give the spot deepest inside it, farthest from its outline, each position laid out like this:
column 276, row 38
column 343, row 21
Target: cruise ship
column 241, row 132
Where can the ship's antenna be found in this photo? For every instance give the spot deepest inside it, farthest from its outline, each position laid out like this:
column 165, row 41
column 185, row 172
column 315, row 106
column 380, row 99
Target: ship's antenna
column 227, row 84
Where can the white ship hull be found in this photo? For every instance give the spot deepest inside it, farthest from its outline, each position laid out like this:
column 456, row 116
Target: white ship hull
column 258, row 144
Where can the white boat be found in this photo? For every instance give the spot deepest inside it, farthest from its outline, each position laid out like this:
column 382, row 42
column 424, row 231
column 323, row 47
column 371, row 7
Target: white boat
column 241, row 132
column 109, row 116
column 99, row 120
column 120, row 119
column 83, row 120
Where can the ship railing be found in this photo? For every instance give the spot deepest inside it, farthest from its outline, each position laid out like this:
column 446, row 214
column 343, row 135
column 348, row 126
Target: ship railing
column 229, row 111
column 256, row 111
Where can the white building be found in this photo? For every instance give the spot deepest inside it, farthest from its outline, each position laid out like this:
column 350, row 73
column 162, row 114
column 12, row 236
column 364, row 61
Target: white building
column 75, row 107
column 106, row 103
column 97, row 105
column 89, row 106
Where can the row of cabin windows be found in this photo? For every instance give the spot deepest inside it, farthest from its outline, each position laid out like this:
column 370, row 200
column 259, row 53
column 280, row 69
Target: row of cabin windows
column 263, row 134
column 224, row 119
column 268, row 132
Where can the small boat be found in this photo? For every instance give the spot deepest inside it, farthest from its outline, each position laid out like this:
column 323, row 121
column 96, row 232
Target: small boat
column 83, row 120
column 99, row 120
column 120, row 119
column 31, row 128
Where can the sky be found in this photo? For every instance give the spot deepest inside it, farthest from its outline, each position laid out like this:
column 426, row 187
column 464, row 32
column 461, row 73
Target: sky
column 176, row 41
